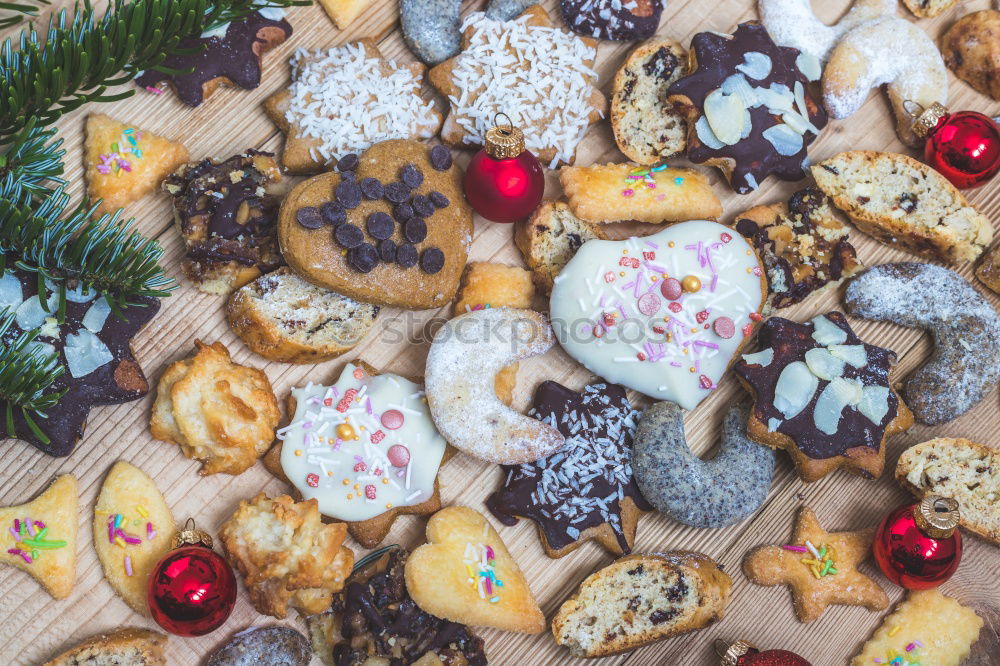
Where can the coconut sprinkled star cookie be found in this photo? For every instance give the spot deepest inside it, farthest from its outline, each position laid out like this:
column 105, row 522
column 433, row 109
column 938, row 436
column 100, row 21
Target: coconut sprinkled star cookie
column 551, row 71
column 819, row 568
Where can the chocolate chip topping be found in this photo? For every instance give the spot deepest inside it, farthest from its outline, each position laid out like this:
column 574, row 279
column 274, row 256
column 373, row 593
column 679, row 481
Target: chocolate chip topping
column 387, row 250
column 431, row 260
column 439, row 200
column 348, row 236
column 402, row 212
column 422, row 205
column 333, row 213
column 309, row 217
column 411, row 176
column 415, row 229
column 406, row 255
column 397, row 192
column 371, row 188
column 440, row 158
column 363, row 258
column 348, row 162
column 380, row 226
column 348, row 194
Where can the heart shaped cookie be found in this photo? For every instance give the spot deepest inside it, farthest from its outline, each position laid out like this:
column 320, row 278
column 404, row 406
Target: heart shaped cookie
column 465, row 574
column 664, row 314
column 390, row 227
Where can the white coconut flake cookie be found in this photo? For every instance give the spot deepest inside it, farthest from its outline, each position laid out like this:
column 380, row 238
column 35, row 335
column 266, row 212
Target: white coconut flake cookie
column 537, row 74
column 345, row 99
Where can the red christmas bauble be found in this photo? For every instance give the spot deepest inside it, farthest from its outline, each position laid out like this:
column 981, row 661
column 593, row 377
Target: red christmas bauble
column 504, row 182
column 192, row 591
column 771, row 658
column 965, row 148
column 913, row 554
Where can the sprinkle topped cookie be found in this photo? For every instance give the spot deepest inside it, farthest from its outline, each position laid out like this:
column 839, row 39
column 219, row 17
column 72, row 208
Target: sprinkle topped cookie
column 663, row 314
column 556, row 98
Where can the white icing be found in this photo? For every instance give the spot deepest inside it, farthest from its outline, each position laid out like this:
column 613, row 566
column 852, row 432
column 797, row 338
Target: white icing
column 602, row 280
column 312, row 447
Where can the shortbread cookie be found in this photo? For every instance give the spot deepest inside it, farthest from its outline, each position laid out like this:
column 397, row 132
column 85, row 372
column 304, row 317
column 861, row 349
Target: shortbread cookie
column 228, row 219
column 391, row 228
column 227, row 56
column 823, row 395
column 586, row 490
column 888, row 51
column 278, row 645
column 819, row 568
column 714, row 493
column 926, row 628
column 988, row 270
column 664, row 315
column 375, row 619
column 40, row 536
column 972, row 51
column 962, row 470
column 612, row 19
column 133, row 529
column 129, row 646
column 965, row 365
column 287, row 556
column 432, row 28
column 639, row 600
column 365, row 448
column 906, row 203
column 793, row 23
column 802, row 243
column 647, row 128
column 464, row 358
column 464, row 573
column 284, row 318
column 124, row 163
column 335, row 105
column 219, row 412
column 928, row 8
column 549, row 239
column 343, row 12
column 556, row 101
column 749, row 106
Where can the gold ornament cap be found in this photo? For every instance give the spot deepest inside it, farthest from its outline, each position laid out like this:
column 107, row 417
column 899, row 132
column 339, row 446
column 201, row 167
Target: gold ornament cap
column 191, row 536
column 732, row 652
column 504, row 143
column 937, row 516
column 925, row 121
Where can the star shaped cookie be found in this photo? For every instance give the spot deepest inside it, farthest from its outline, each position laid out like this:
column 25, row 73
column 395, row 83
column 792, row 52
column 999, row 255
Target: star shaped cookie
column 551, row 70
column 819, row 568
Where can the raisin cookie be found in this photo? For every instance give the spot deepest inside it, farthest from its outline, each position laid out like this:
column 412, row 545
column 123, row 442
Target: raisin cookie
column 972, row 51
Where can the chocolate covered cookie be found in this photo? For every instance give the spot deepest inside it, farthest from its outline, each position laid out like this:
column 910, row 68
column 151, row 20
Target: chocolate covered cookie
column 612, row 19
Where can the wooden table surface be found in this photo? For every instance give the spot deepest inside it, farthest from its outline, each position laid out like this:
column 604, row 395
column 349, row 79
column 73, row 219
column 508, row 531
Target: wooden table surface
column 34, row 627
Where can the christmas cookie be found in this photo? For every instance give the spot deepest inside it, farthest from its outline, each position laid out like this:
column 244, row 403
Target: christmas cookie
column 365, row 449
column 464, row 573
column 463, row 361
column 335, row 106
column 549, row 239
column 556, row 100
column 888, row 51
column 965, row 365
column 375, row 618
column 287, row 556
column 586, row 490
column 227, row 219
column 646, row 126
column 793, row 23
column 264, row 645
column 612, row 19
column 123, row 163
column 641, row 599
column 926, row 628
column 128, row 646
column 823, row 395
column 663, row 315
column 713, row 493
column 621, row 192
column 228, row 55
column 92, row 345
column 432, row 28
column 906, row 203
column 133, row 529
column 972, row 52
column 391, row 227
column 988, row 270
column 343, row 12
column 749, row 107
column 803, row 244
column 40, row 537
column 819, row 568
column 928, row 8
column 219, row 412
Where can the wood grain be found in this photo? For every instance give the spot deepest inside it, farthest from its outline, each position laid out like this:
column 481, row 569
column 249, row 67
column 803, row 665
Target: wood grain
column 33, row 627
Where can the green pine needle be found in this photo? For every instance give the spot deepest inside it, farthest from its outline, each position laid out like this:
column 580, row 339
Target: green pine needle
column 31, row 164
column 19, row 11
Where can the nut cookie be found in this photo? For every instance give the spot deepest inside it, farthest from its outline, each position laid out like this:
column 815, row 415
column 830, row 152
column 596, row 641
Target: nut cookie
column 128, row 646
column 647, row 128
column 928, row 8
column 549, row 239
column 971, row 50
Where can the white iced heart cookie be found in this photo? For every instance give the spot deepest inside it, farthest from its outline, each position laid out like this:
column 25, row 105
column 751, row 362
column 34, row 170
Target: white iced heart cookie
column 664, row 314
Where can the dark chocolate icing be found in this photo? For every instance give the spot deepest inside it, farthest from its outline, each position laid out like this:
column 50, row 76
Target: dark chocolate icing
column 790, row 342
column 563, row 493
column 610, row 19
column 235, row 56
column 717, row 59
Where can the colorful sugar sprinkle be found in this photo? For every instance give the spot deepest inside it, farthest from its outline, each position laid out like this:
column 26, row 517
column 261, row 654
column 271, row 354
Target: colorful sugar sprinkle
column 116, row 161
column 31, row 542
column 479, row 564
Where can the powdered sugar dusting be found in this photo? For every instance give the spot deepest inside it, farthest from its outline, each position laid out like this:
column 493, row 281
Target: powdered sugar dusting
column 793, row 23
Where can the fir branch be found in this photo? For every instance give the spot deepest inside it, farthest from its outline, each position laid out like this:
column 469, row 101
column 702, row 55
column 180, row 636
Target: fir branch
column 31, row 164
column 26, row 375
column 19, row 11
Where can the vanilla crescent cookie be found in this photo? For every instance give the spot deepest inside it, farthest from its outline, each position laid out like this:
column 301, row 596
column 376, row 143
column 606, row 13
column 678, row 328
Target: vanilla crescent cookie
column 665, row 314
column 793, row 23
column 463, row 361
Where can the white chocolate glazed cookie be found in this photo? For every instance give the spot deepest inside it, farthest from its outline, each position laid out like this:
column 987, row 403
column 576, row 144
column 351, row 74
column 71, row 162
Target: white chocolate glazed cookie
column 362, row 446
column 663, row 315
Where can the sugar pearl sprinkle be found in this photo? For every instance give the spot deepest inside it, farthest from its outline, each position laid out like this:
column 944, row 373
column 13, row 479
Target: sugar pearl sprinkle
column 536, row 75
column 480, row 561
column 31, row 539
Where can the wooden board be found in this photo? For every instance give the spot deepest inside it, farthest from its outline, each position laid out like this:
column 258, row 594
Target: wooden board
column 34, row 627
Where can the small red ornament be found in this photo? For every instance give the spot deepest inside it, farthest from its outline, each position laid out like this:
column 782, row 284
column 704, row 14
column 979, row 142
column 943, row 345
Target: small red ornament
column 964, row 147
column 192, row 590
column 504, row 182
column 742, row 653
column 917, row 545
